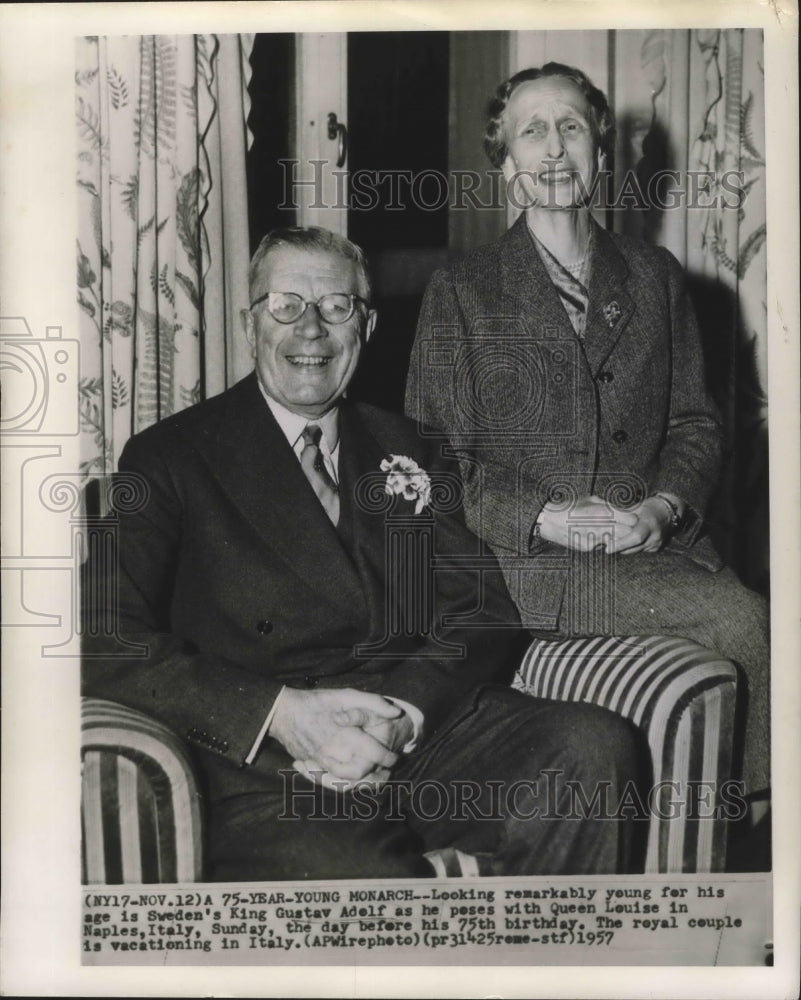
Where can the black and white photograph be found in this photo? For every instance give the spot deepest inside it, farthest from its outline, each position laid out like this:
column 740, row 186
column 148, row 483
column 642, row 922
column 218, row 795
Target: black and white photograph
column 401, row 479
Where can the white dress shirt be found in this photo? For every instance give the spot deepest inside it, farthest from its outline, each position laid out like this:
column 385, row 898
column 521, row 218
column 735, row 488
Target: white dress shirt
column 293, row 425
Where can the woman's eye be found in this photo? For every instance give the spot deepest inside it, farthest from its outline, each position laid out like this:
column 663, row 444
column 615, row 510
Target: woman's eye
column 535, row 129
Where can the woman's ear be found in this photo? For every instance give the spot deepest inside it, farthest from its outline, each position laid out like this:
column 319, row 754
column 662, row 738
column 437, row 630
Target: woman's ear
column 601, row 160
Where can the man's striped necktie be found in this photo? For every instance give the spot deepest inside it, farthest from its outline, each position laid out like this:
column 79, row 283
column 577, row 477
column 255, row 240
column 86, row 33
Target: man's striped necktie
column 311, row 461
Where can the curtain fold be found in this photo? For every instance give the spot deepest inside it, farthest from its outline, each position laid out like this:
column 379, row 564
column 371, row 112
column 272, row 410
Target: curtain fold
column 726, row 238
column 162, row 236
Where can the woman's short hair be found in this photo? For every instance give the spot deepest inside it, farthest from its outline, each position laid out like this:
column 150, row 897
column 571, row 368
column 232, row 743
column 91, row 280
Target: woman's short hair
column 311, row 238
column 602, row 119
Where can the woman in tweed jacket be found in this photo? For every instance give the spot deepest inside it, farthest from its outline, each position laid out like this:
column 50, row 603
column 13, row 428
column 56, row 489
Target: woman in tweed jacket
column 564, row 365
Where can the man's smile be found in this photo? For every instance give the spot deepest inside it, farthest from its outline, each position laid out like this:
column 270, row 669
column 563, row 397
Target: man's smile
column 307, row 361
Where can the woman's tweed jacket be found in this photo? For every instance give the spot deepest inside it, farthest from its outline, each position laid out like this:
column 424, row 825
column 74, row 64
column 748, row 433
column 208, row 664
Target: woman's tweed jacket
column 533, row 412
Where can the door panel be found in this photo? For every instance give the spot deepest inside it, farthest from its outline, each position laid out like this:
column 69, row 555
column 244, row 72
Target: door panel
column 414, row 105
column 320, row 186
column 479, row 62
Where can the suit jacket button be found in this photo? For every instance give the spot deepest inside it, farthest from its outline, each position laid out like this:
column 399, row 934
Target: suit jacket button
column 620, row 436
column 606, row 377
column 264, row 627
column 310, row 681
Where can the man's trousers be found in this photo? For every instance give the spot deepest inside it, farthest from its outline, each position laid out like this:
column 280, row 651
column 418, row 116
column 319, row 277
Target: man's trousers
column 525, row 785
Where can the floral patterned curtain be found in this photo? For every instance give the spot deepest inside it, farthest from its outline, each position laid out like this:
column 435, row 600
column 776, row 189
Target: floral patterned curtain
column 728, row 248
column 692, row 102
column 163, row 242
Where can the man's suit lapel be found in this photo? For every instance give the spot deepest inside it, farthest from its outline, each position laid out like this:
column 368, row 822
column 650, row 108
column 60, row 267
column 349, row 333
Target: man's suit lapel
column 360, row 456
column 251, row 459
column 610, row 306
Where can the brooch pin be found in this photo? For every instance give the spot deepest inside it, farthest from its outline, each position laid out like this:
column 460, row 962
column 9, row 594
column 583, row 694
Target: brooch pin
column 404, row 476
column 611, row 313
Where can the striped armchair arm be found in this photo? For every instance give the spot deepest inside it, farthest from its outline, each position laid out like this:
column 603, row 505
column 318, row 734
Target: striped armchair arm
column 140, row 806
column 681, row 696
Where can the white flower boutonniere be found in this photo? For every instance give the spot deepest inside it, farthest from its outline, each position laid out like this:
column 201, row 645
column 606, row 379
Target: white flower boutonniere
column 404, row 476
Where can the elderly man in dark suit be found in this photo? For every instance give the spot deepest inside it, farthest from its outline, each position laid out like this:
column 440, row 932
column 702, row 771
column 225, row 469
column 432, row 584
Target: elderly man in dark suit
column 564, row 364
column 348, row 702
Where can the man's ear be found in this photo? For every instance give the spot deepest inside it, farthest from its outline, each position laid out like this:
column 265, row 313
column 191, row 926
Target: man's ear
column 369, row 326
column 246, row 316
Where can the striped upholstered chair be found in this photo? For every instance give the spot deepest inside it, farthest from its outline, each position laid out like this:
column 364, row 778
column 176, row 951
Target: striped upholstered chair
column 140, row 806
column 681, row 697
column 141, row 814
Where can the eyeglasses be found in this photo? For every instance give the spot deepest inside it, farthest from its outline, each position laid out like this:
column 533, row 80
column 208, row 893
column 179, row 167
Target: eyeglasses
column 288, row 307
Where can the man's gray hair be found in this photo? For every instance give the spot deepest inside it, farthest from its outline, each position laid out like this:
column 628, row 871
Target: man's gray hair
column 311, row 238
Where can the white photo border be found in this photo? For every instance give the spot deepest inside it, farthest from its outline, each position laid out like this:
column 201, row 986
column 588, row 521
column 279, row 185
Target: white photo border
column 41, row 827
